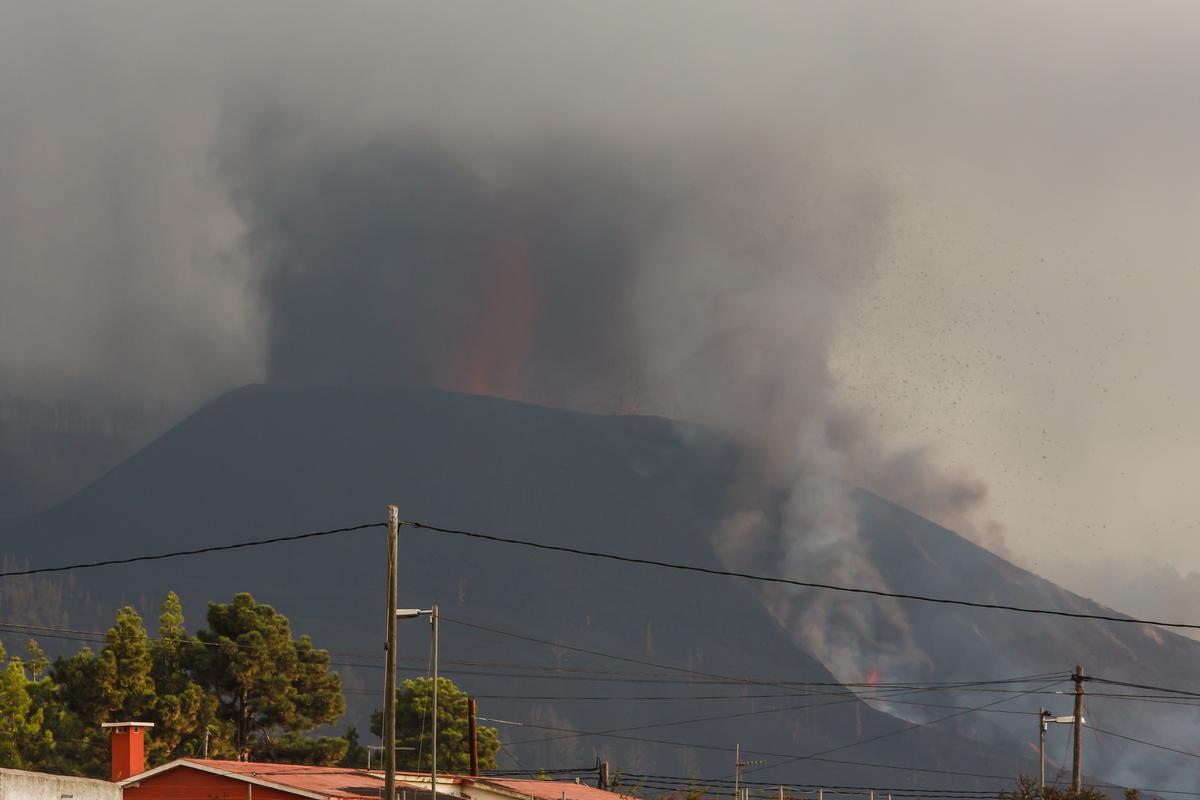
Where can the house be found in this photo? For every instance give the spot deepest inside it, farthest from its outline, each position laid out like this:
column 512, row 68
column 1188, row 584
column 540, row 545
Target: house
column 208, row 779
column 200, row 779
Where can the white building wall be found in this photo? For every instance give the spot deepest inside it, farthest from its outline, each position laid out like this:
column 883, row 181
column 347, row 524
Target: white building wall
column 17, row 784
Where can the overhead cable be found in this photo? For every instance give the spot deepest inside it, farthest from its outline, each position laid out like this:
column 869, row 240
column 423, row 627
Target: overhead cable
column 790, row 581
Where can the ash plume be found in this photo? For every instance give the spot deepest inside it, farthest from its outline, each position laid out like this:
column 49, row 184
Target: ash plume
column 704, row 285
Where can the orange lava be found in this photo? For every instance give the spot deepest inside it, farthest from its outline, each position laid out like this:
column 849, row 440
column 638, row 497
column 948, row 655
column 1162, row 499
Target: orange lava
column 503, row 337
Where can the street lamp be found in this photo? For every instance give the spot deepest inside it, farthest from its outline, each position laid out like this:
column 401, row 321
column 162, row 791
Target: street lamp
column 432, row 613
column 1044, row 720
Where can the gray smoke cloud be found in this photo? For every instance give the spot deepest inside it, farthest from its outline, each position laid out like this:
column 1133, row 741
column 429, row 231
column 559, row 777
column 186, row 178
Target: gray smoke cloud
column 402, row 260
column 703, row 283
column 1030, row 197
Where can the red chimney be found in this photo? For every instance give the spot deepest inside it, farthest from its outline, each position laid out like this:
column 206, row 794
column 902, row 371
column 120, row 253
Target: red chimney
column 128, row 748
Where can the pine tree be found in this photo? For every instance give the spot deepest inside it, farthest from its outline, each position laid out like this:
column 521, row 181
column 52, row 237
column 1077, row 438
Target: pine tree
column 125, row 667
column 182, row 711
column 20, row 725
column 266, row 683
column 414, row 703
column 88, row 689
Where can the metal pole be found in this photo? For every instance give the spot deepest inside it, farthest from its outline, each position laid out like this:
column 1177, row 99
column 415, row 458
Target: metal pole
column 389, row 667
column 433, row 620
column 1076, row 777
column 1042, row 725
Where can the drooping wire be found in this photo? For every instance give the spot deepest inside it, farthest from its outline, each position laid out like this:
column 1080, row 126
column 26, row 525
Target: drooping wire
column 194, row 552
column 790, row 581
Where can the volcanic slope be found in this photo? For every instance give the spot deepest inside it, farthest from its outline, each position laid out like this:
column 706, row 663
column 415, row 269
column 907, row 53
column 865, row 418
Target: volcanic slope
column 264, row 461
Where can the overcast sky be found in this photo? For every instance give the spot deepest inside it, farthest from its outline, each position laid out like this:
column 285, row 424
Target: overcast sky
column 1030, row 321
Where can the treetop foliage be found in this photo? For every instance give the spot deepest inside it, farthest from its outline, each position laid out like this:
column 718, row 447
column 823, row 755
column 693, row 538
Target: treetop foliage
column 242, row 688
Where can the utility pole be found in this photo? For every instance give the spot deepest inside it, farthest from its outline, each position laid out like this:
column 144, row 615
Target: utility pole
column 1078, row 756
column 389, row 667
column 1043, row 724
column 737, row 772
column 433, row 620
column 472, row 711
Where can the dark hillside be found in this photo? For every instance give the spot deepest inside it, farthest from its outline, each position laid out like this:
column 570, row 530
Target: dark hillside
column 264, row 461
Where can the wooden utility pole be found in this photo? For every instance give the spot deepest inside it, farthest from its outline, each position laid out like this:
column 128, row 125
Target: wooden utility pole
column 472, row 711
column 389, row 667
column 1042, row 725
column 737, row 772
column 1076, row 777
column 433, row 621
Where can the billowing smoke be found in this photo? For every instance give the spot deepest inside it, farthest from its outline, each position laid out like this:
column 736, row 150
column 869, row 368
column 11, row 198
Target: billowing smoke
column 703, row 285
column 402, row 261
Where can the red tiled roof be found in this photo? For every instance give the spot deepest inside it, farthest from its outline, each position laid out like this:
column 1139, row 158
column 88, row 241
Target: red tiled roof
column 328, row 781
column 342, row 783
column 549, row 790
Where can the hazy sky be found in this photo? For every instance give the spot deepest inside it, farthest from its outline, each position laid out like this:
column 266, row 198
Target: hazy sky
column 1029, row 322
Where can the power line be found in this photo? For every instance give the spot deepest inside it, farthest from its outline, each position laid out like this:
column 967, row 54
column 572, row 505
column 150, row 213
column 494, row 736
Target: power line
column 198, row 551
column 791, row 582
column 914, row 794
column 692, row 720
column 101, row 637
column 839, row 761
column 912, row 727
column 750, row 681
column 723, row 790
column 725, row 783
column 603, row 555
column 1111, row 682
column 1144, row 742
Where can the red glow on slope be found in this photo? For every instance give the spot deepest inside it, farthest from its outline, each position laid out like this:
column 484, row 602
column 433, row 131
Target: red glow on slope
column 872, row 678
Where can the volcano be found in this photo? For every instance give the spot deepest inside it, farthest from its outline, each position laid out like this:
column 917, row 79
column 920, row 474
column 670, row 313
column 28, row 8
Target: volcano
column 622, row 650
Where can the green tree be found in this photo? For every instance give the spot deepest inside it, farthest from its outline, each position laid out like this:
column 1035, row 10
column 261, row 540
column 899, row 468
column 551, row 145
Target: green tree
column 414, row 702
column 126, row 665
column 87, row 689
column 1027, row 789
column 356, row 754
column 184, row 715
column 114, row 685
column 248, row 694
column 20, row 724
column 266, row 683
column 292, row 748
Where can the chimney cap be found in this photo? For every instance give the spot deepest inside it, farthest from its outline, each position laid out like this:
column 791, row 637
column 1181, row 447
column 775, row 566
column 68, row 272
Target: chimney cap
column 126, row 724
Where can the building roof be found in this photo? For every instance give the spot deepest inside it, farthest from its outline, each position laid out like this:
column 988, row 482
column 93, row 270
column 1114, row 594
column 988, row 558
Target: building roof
column 343, row 783
column 319, row 783
column 547, row 790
